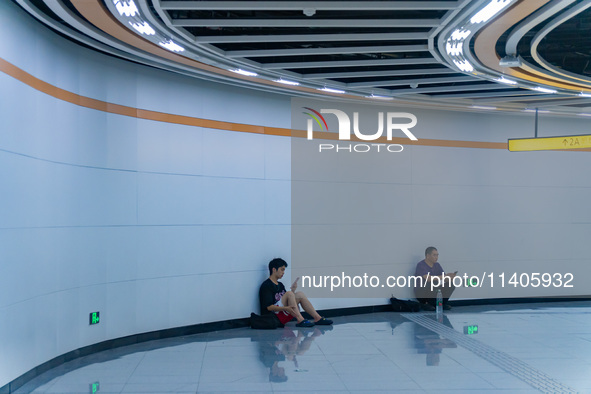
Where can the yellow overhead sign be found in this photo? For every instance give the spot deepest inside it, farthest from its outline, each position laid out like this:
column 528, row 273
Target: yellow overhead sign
column 550, row 143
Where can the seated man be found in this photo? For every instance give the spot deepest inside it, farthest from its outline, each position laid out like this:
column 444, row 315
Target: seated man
column 274, row 299
column 428, row 269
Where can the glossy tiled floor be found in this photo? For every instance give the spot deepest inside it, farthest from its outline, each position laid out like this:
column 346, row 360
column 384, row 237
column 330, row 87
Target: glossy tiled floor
column 515, row 345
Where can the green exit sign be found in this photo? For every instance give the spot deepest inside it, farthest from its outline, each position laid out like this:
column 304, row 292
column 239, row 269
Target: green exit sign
column 95, row 387
column 94, row 318
column 470, row 330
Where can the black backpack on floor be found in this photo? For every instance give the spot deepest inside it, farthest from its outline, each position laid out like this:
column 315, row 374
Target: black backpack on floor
column 404, row 305
column 268, row 321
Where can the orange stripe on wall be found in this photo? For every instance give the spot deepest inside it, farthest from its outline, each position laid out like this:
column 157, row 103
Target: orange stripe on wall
column 104, row 106
column 117, row 109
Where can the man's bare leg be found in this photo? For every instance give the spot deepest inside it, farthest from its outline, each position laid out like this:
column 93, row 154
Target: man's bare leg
column 302, row 299
column 289, row 299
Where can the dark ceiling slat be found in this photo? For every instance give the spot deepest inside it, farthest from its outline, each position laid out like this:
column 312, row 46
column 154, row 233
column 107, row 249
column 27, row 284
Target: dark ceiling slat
column 327, row 51
column 381, row 73
column 308, row 23
column 312, row 37
column 419, row 82
column 351, row 63
column 316, row 5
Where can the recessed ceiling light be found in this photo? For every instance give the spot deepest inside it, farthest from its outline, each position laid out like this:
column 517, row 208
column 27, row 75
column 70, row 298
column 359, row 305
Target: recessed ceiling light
column 127, row 8
column 325, row 89
column 584, row 114
column 375, row 96
column 286, row 82
column 171, row 46
column 482, row 107
column 460, row 34
column 507, row 81
column 244, row 72
column 143, row 28
column 544, row 90
column 493, row 8
column 455, row 48
column 464, row 65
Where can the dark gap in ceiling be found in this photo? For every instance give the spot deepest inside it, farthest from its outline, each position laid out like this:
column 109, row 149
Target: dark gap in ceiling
column 299, row 14
column 351, row 69
column 341, row 57
column 312, row 44
column 569, row 45
column 416, row 78
column 215, row 31
column 484, row 93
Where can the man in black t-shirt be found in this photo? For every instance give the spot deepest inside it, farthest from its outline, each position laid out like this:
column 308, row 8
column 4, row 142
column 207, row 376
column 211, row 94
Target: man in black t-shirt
column 285, row 304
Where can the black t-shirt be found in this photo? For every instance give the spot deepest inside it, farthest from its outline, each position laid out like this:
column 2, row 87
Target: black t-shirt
column 269, row 294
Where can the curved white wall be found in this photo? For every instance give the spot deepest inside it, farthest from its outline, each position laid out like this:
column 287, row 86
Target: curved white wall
column 158, row 225
column 153, row 224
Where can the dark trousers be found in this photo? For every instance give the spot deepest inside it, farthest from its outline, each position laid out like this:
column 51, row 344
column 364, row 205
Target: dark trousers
column 424, row 294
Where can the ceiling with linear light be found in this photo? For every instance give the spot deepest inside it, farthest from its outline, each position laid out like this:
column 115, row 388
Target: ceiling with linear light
column 487, row 54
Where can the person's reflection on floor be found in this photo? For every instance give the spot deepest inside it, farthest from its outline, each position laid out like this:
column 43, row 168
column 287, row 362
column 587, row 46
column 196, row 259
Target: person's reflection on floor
column 285, row 345
column 430, row 343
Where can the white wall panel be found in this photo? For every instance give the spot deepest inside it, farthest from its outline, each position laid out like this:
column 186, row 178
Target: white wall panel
column 538, row 169
column 232, row 248
column 177, row 150
column 67, row 335
column 231, row 154
column 226, row 295
column 170, row 199
column 28, row 264
column 278, row 202
column 165, row 251
column 526, row 241
column 40, row 193
column 277, row 157
column 190, row 302
column 433, row 165
column 233, row 201
column 119, row 316
column 449, row 204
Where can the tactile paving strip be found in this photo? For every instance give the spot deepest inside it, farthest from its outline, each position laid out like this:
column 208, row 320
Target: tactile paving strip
column 510, row 364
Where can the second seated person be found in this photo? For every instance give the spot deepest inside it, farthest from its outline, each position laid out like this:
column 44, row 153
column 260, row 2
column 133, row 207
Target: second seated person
column 428, row 269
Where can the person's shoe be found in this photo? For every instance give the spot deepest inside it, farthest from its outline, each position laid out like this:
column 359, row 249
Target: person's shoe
column 323, row 322
column 305, row 323
column 427, row 307
column 446, row 307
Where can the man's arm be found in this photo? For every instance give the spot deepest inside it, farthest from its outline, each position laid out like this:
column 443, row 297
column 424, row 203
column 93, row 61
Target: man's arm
column 428, row 277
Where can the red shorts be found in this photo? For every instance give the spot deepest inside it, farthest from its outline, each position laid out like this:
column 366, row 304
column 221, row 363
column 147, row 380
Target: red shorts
column 284, row 317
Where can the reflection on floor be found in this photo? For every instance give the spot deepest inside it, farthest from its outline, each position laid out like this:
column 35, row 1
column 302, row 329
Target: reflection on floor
column 500, row 348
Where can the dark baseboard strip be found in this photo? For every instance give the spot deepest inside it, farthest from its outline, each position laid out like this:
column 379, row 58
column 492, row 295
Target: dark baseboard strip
column 237, row 323
column 501, row 301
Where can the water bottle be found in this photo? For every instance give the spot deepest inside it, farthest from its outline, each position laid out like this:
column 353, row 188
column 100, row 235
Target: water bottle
column 439, row 304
